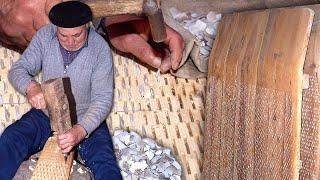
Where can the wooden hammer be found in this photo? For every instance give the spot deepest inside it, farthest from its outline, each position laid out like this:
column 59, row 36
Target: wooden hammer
column 150, row 8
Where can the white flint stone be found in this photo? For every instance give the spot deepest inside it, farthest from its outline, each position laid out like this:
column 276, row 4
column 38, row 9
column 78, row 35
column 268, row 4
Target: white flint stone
column 80, row 170
column 208, row 48
column 188, row 23
column 129, row 151
column 177, row 165
column 126, row 139
column 152, row 144
column 139, row 157
column 167, row 158
column 210, row 30
column 196, row 15
column 169, row 171
column 119, row 144
column 211, row 16
column 162, row 166
column 158, row 152
column 218, row 17
column 124, row 174
column 122, row 135
column 117, row 132
column 181, row 16
column 203, row 27
column 203, row 57
column 200, row 36
column 305, row 82
column 128, row 177
column 197, row 27
column 149, row 154
column 203, row 51
column 2, row 127
column 31, row 168
column 167, row 151
column 138, row 166
column 174, row 11
column 209, row 42
column 134, row 177
column 134, row 146
column 155, row 159
column 175, row 177
column 146, row 147
column 134, row 137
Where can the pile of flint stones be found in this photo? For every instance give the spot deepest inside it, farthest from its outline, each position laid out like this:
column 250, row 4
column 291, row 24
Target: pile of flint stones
column 143, row 159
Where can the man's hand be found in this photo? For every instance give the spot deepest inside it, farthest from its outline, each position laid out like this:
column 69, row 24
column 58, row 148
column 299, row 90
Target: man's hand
column 70, row 139
column 134, row 36
column 35, row 95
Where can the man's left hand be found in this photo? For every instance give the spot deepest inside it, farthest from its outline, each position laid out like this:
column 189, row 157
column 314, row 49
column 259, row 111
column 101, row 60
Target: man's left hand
column 70, row 139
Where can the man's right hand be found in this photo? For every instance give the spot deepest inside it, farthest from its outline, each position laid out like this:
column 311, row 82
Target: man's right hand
column 35, row 95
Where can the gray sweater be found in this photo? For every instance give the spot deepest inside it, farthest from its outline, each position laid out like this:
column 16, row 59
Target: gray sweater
column 91, row 73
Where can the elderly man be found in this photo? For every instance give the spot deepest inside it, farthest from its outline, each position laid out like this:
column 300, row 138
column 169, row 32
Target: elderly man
column 65, row 48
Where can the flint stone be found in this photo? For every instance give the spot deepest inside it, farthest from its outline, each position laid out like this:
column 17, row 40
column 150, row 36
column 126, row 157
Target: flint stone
column 2, row 128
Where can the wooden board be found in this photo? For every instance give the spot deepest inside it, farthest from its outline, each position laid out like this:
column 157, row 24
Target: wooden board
column 55, row 94
column 254, row 95
column 310, row 122
column 51, row 163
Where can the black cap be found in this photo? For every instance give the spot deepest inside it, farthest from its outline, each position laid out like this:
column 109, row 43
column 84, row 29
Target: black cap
column 70, row 14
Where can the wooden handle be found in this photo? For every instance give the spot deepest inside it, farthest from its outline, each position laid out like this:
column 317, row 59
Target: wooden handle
column 102, row 8
column 55, row 95
column 151, row 8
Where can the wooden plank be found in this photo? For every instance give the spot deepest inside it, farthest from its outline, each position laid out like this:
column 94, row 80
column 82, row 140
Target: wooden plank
column 213, row 103
column 249, row 68
column 55, row 95
column 310, row 125
column 231, row 103
column 254, row 95
column 51, row 163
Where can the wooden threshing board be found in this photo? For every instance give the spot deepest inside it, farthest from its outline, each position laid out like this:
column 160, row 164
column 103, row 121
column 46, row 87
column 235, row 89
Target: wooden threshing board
column 254, row 94
column 310, row 122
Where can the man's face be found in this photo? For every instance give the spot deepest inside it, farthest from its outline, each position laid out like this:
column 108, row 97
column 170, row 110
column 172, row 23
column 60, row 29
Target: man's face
column 72, row 39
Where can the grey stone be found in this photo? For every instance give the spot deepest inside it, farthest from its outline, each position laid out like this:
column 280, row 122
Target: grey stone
column 2, row 128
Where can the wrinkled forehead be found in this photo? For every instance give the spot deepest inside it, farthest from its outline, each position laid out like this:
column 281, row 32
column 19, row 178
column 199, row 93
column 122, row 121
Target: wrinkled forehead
column 72, row 31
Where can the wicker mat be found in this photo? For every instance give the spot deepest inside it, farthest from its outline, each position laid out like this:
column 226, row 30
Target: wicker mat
column 167, row 109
